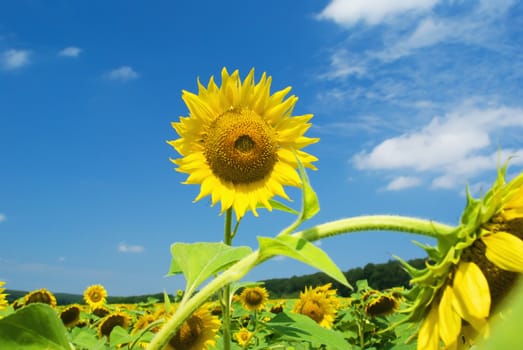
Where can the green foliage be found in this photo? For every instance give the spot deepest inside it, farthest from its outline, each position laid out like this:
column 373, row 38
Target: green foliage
column 289, row 326
column 199, row 261
column 301, row 250
column 33, row 327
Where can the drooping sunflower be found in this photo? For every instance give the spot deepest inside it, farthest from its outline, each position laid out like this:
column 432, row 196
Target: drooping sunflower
column 254, row 298
column 95, row 295
column 379, row 304
column 243, row 337
column 198, row 332
column 472, row 269
column 240, row 143
column 40, row 296
column 320, row 304
column 110, row 321
column 70, row 315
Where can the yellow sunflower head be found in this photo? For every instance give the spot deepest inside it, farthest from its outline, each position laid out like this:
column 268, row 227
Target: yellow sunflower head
column 198, row 332
column 254, row 298
column 318, row 304
column 243, row 337
column 95, row 295
column 40, row 296
column 110, row 321
column 3, row 297
column 70, row 315
column 472, row 269
column 240, row 143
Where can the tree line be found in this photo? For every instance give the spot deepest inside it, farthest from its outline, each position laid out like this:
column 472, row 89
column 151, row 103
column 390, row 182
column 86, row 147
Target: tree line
column 379, row 276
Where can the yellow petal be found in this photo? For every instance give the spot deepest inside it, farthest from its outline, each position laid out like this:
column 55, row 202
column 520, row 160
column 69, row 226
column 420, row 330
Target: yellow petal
column 450, row 325
column 505, row 250
column 428, row 336
column 471, row 291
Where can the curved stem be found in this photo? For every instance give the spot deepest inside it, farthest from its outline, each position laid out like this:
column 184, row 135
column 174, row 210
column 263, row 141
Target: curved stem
column 238, row 270
column 376, row 223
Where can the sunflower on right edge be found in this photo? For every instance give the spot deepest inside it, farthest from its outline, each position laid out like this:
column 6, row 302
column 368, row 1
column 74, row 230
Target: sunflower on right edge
column 471, row 269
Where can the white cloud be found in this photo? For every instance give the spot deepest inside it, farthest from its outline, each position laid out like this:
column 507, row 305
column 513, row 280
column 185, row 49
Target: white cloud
column 451, row 148
column 403, row 182
column 124, row 248
column 350, row 12
column 71, row 51
column 3, row 217
column 123, row 73
column 343, row 65
column 14, row 59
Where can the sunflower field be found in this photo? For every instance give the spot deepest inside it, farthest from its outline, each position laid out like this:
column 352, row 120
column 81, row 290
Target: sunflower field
column 242, row 145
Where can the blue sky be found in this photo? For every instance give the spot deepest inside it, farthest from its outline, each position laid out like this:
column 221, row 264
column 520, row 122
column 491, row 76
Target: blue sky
column 412, row 100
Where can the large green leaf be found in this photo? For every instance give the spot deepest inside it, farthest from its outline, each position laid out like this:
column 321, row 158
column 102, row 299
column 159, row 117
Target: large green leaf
column 299, row 327
column 199, row 261
column 33, row 327
column 301, row 250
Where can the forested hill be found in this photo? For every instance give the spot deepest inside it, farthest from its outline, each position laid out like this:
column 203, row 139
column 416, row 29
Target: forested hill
column 379, row 276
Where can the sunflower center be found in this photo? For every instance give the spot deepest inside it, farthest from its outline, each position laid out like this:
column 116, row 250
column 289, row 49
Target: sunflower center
column 313, row 310
column 188, row 334
column 240, row 147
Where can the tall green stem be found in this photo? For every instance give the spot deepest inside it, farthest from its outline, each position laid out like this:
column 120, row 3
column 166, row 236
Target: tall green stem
column 226, row 293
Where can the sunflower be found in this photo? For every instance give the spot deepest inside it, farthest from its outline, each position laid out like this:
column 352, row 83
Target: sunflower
column 144, row 322
column 254, row 298
column 3, row 297
column 95, row 295
column 240, row 143
column 198, row 332
column 243, row 337
column 70, row 315
column 380, row 304
column 40, row 296
column 320, row 304
column 110, row 321
column 100, row 311
column 472, row 269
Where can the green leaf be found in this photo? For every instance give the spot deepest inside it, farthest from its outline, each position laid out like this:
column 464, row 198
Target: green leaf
column 86, row 338
column 301, row 250
column 199, row 261
column 33, row 327
column 119, row 336
column 299, row 327
column 311, row 205
column 282, row 207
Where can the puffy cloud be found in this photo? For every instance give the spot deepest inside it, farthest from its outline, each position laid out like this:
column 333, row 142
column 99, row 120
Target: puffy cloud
column 14, row 59
column 403, row 182
column 124, row 248
column 350, row 12
column 71, row 51
column 124, row 73
column 3, row 217
column 451, row 148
